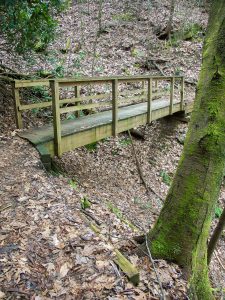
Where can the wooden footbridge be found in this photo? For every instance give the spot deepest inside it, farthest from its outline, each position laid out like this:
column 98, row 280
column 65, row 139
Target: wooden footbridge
column 116, row 104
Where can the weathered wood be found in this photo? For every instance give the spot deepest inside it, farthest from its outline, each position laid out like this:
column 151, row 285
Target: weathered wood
column 156, row 85
column 149, row 99
column 30, row 83
column 92, row 128
column 35, row 105
column 114, row 106
column 45, row 156
column 172, row 95
column 84, row 106
column 85, row 98
column 127, row 267
column 18, row 115
column 77, row 95
column 56, row 118
column 182, row 94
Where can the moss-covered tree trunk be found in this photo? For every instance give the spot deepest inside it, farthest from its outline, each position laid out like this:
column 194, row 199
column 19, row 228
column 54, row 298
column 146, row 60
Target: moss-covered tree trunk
column 181, row 231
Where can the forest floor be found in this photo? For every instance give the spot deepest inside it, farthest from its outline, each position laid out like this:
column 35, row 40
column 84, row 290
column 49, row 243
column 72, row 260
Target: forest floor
column 50, row 248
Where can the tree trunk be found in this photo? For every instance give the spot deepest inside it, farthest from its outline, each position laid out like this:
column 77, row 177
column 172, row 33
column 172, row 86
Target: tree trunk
column 165, row 35
column 181, row 231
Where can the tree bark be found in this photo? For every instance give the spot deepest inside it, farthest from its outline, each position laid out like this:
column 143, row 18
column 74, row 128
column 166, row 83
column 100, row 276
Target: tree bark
column 181, row 231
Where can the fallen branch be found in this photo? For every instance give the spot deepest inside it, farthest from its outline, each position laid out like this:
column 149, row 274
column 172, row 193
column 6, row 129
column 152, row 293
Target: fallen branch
column 219, row 260
column 148, row 188
column 127, row 267
column 91, row 216
column 137, row 134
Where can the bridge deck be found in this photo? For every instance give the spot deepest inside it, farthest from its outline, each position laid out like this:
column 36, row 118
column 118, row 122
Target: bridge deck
column 45, row 134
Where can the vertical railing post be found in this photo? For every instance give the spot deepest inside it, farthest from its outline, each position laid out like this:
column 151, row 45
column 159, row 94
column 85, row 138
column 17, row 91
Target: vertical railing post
column 18, row 115
column 143, row 89
column 156, row 86
column 149, row 100
column 171, row 95
column 56, row 117
column 77, row 95
column 114, row 106
column 182, row 94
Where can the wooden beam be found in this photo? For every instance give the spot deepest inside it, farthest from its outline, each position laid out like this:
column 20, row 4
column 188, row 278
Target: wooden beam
column 84, row 106
column 18, row 115
column 30, row 83
column 77, row 95
column 149, row 99
column 35, row 105
column 127, row 267
column 171, row 95
column 114, row 106
column 84, row 98
column 56, row 118
column 182, row 94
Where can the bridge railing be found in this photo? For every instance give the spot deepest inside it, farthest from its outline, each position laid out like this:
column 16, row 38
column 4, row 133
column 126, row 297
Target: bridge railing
column 109, row 100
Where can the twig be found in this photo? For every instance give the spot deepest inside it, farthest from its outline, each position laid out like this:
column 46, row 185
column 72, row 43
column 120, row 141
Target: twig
column 219, row 260
column 91, row 216
column 162, row 297
column 116, row 270
column 148, row 188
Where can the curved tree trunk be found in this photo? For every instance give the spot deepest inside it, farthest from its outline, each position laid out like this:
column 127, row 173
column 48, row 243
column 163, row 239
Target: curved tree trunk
column 181, row 231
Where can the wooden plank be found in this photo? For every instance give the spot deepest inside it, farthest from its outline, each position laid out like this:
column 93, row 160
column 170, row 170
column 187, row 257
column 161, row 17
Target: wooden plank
column 85, row 98
column 94, row 134
column 18, row 115
column 45, row 156
column 114, row 106
column 35, row 105
column 171, row 95
column 97, row 80
column 127, row 267
column 84, row 106
column 30, row 83
column 149, row 109
column 182, row 94
column 56, row 118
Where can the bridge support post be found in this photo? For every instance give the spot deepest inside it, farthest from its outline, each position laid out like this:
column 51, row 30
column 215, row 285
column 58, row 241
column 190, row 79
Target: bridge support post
column 114, row 106
column 182, row 95
column 77, row 95
column 56, row 118
column 171, row 95
column 18, row 115
column 149, row 107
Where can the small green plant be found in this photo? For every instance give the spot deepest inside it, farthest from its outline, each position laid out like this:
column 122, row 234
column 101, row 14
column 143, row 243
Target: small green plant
column 126, row 17
column 73, row 184
column 218, row 211
column 118, row 213
column 165, row 177
column 125, row 142
column 71, row 117
column 189, row 32
column 85, row 203
column 91, row 147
